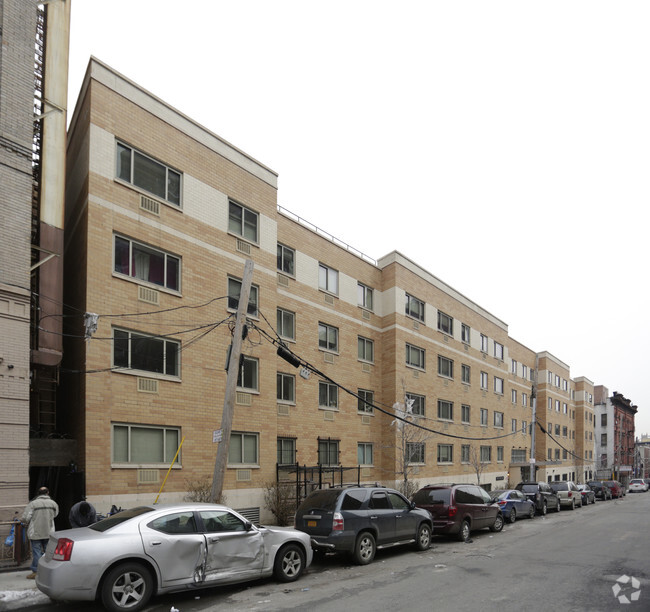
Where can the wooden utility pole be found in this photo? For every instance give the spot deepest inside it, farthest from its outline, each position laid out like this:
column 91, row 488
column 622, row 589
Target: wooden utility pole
column 231, row 385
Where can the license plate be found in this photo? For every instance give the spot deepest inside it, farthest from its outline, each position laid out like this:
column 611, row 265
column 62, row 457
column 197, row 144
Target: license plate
column 311, row 523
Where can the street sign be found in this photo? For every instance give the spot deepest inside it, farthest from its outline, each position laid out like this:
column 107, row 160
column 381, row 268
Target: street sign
column 217, row 435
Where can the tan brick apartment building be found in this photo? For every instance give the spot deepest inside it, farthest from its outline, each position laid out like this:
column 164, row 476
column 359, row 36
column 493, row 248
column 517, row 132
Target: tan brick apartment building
column 161, row 217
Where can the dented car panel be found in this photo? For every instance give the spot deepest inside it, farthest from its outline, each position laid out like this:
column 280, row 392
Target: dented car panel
column 164, row 549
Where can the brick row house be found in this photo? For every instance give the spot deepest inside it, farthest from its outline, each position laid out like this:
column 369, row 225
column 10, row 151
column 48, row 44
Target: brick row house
column 161, row 216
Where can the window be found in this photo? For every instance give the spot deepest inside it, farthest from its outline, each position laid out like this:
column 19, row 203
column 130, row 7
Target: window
column 242, row 221
column 364, row 295
column 243, row 448
column 565, row 453
column 564, row 431
column 550, row 403
column 365, row 349
column 234, row 291
column 445, row 323
column 484, row 416
column 364, row 453
column 415, row 452
column 500, row 454
column 286, row 451
column 365, row 401
column 498, row 350
column 603, row 439
column 524, row 371
column 328, row 337
column 484, row 380
column 445, row 367
column 417, row 403
column 286, row 259
column 498, row 385
column 328, row 279
column 286, row 388
column 557, row 430
column 146, row 173
column 557, row 454
column 465, row 413
column 517, row 455
column 465, row 333
column 465, row 374
column 524, row 399
column 498, row 419
column 484, row 343
column 464, row 453
column 328, row 395
column 328, row 452
column 550, row 455
column 143, row 445
column 513, row 426
column 603, row 420
column 145, row 263
column 286, row 324
column 524, row 427
column 414, row 356
column 513, row 396
column 134, row 351
column 557, row 405
column 248, row 373
column 557, row 381
column 513, row 367
column 486, row 454
column 565, row 408
column 445, row 410
column 445, row 453
column 414, row 308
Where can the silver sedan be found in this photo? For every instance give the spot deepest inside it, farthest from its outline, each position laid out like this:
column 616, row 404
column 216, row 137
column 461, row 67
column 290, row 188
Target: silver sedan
column 126, row 558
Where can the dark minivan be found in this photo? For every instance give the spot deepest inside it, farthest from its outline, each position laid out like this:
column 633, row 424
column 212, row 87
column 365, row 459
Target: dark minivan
column 359, row 520
column 459, row 509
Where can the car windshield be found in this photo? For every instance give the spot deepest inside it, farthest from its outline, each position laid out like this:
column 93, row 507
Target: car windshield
column 325, row 499
column 120, row 517
column 559, row 486
column 529, row 488
column 498, row 494
column 432, row 496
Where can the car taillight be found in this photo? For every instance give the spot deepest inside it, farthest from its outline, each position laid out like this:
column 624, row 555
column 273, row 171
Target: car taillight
column 63, row 550
column 337, row 522
column 451, row 511
column 570, row 494
column 502, row 502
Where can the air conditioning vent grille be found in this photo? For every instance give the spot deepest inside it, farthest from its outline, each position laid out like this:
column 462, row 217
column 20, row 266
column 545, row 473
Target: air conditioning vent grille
column 148, row 295
column 150, row 205
column 147, row 385
column 243, row 247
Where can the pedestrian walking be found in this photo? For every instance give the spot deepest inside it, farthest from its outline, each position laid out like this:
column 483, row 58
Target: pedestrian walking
column 39, row 517
column 82, row 514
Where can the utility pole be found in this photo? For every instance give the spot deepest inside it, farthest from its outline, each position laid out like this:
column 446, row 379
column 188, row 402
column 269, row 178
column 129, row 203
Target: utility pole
column 231, row 385
column 533, row 395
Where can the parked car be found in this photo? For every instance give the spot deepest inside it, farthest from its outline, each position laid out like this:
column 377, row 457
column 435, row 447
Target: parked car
column 637, row 485
column 359, row 520
column 615, row 488
column 541, row 494
column 130, row 556
column 513, row 504
column 567, row 491
column 588, row 494
column 459, row 509
column 601, row 490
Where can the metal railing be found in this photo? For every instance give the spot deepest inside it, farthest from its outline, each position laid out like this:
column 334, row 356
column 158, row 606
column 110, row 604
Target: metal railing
column 19, row 550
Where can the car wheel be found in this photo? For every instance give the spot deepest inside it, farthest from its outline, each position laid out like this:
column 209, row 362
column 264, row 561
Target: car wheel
column 364, row 548
column 559, row 506
column 512, row 517
column 423, row 537
column 544, row 508
column 531, row 512
column 127, row 587
column 289, row 563
column 463, row 534
column 498, row 523
column 573, row 505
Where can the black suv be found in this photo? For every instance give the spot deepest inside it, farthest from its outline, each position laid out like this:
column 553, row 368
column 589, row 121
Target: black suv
column 459, row 509
column 601, row 490
column 541, row 494
column 359, row 520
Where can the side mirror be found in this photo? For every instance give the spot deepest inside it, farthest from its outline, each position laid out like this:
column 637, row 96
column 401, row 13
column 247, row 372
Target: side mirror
column 248, row 525
column 413, row 506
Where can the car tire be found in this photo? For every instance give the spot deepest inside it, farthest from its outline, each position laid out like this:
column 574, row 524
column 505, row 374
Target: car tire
column 573, row 505
column 364, row 548
column 464, row 531
column 512, row 515
column 531, row 512
column 128, row 586
column 289, row 563
column 498, row 523
column 423, row 537
column 544, row 509
column 559, row 506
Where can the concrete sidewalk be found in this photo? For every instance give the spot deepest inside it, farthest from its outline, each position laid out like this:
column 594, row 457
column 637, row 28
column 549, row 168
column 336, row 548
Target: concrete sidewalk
column 17, row 591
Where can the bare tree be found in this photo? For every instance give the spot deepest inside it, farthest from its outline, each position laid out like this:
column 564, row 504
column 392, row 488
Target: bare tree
column 476, row 463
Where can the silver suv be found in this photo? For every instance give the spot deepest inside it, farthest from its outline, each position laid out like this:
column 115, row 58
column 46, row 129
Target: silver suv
column 569, row 494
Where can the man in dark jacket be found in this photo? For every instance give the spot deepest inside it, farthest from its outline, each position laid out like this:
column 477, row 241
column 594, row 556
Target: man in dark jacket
column 82, row 514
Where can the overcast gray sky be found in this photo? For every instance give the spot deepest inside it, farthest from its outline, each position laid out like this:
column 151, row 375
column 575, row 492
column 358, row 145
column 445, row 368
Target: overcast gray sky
column 503, row 146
